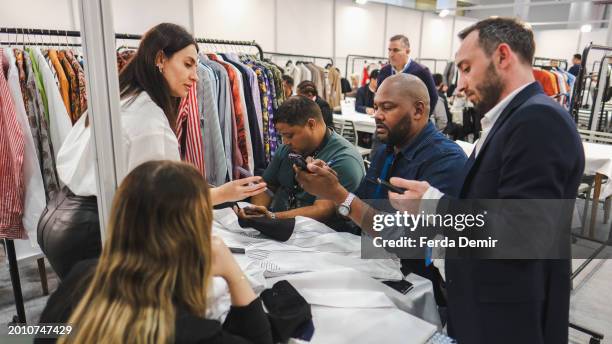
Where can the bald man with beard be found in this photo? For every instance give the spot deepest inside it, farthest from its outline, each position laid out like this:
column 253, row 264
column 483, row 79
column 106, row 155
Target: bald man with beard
column 412, row 148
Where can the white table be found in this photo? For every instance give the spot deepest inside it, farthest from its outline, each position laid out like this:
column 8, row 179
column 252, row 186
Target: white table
column 348, row 304
column 364, row 123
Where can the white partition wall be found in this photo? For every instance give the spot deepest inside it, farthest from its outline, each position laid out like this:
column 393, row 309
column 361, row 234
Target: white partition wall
column 38, row 14
column 437, row 37
column 547, row 43
column 137, row 16
column 236, row 20
column 460, row 24
column 407, row 22
column 360, row 29
column 304, row 27
column 310, row 27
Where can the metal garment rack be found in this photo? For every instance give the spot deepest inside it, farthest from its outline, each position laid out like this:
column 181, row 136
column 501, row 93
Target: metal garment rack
column 66, row 33
column 576, row 106
column 435, row 62
column 314, row 58
column 548, row 62
column 32, row 37
column 583, row 83
column 354, row 58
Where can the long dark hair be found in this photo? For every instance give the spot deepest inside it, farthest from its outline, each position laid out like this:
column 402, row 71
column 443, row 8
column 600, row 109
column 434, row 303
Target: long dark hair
column 142, row 74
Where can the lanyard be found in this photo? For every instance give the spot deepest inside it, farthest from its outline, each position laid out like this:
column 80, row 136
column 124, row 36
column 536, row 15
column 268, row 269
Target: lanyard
column 383, row 175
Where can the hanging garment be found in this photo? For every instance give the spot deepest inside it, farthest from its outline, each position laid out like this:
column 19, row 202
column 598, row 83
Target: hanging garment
column 27, row 102
column 35, row 199
column 59, row 120
column 239, row 117
column 73, row 81
column 37, row 115
column 250, row 163
column 265, row 106
column 224, row 104
column 546, row 80
column 334, row 91
column 364, row 76
column 11, row 166
column 214, row 154
column 80, row 74
column 189, row 131
column 305, row 72
column 124, row 57
column 259, row 162
column 64, row 86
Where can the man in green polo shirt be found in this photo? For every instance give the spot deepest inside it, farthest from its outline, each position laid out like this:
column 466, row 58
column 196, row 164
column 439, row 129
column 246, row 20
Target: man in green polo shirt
column 300, row 124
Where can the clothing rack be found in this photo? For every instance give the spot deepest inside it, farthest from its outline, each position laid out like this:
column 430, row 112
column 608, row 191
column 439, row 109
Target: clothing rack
column 583, row 83
column 27, row 32
column 314, row 58
column 354, row 58
column 67, row 33
column 435, row 62
column 577, row 98
column 547, row 62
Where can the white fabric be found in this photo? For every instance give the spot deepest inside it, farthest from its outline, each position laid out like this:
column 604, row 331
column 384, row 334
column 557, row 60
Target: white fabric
column 35, row 199
column 326, row 263
column 146, row 136
column 489, row 119
column 59, row 121
column 374, row 312
column 598, row 159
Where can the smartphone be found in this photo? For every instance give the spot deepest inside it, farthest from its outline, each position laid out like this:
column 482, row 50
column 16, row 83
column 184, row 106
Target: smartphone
column 386, row 185
column 298, row 160
column 390, row 187
column 402, row 286
column 245, row 173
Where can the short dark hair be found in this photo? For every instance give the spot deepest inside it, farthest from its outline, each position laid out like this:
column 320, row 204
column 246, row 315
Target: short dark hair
column 497, row 30
column 307, row 88
column 438, row 79
column 297, row 110
column 403, row 38
column 578, row 56
column 374, row 74
column 288, row 80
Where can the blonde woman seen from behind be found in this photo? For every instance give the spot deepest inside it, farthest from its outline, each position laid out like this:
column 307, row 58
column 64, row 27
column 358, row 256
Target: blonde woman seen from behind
column 151, row 282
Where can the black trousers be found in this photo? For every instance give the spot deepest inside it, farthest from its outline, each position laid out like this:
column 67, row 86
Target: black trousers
column 69, row 231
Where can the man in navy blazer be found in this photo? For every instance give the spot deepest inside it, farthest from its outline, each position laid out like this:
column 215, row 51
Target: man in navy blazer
column 400, row 62
column 529, row 149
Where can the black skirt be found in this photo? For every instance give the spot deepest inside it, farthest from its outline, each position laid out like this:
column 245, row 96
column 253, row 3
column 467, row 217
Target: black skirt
column 69, row 230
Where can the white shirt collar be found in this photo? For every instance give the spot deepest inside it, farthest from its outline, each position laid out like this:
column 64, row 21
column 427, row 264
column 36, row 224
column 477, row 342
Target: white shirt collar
column 492, row 115
column 489, row 119
column 393, row 71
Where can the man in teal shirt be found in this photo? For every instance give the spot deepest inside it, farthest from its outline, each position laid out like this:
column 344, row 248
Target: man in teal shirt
column 300, row 124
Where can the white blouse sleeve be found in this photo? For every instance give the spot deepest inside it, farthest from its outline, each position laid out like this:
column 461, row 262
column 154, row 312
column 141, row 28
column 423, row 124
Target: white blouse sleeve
column 159, row 144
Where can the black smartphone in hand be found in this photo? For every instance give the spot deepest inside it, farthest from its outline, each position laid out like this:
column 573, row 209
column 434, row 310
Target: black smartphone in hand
column 298, row 160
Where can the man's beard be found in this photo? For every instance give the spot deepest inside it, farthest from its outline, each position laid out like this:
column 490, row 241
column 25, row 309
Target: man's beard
column 490, row 91
column 398, row 135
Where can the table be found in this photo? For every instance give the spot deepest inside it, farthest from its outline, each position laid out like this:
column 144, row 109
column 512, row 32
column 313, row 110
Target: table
column 598, row 162
column 349, row 303
column 364, row 123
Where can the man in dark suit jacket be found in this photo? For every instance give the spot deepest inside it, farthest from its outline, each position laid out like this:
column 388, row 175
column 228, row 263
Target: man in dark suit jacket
column 529, row 150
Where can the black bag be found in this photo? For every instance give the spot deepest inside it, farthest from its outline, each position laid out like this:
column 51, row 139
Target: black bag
column 277, row 229
column 288, row 311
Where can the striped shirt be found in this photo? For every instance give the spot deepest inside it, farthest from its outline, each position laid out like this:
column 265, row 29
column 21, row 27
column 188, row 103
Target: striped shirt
column 12, row 146
column 189, row 131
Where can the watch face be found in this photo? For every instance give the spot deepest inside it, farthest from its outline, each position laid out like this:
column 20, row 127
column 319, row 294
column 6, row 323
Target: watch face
column 344, row 210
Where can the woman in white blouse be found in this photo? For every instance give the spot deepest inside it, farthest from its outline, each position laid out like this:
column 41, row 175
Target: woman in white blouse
column 162, row 71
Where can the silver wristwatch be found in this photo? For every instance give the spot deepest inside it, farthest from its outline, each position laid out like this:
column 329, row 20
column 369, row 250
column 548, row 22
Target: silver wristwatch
column 344, row 209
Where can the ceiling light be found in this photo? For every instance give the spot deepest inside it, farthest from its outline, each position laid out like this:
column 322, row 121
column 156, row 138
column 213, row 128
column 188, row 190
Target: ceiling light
column 586, row 28
column 361, row 2
column 443, row 13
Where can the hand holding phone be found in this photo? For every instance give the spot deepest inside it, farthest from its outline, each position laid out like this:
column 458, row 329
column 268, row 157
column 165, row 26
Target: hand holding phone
column 298, row 160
